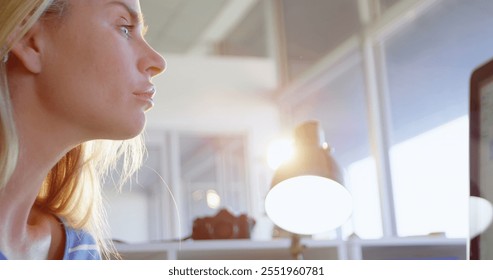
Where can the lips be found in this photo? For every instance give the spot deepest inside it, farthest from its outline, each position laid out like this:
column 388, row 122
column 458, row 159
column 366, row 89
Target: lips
column 147, row 95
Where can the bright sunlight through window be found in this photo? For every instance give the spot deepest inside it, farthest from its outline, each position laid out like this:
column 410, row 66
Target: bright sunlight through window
column 430, row 182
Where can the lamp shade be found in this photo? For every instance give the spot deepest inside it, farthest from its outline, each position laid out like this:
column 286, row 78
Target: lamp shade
column 480, row 215
column 307, row 195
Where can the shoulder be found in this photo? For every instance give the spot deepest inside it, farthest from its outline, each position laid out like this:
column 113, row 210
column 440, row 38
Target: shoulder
column 80, row 245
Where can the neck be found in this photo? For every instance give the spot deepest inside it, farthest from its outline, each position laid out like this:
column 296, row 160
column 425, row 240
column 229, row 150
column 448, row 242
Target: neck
column 42, row 143
column 17, row 198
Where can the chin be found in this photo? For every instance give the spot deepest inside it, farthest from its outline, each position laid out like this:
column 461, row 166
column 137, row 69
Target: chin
column 134, row 132
column 125, row 131
column 127, row 136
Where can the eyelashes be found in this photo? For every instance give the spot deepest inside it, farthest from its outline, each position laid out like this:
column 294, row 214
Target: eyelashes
column 126, row 30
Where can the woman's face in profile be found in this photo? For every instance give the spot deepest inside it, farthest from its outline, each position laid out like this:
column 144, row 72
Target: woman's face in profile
column 97, row 69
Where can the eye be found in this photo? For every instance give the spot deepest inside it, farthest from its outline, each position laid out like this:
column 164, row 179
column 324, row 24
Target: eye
column 126, row 30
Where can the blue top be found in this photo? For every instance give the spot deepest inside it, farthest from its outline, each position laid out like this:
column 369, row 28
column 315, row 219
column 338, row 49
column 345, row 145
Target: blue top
column 80, row 245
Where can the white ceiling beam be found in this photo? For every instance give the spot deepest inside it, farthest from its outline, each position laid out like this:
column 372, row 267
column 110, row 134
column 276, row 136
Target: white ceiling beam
column 229, row 17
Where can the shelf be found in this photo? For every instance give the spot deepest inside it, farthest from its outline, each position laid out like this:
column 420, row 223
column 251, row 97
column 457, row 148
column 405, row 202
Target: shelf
column 240, row 249
column 425, row 248
column 278, row 249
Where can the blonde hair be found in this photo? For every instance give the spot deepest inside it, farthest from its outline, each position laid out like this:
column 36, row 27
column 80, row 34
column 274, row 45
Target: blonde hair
column 72, row 189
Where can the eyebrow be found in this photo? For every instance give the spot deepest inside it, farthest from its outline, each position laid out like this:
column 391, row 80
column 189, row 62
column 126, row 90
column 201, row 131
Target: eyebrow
column 136, row 16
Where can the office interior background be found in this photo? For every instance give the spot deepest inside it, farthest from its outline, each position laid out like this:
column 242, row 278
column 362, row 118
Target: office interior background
column 388, row 81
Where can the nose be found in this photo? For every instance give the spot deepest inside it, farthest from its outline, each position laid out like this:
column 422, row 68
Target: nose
column 153, row 64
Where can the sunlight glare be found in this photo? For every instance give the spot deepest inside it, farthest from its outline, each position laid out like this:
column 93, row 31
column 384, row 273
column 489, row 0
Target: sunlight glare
column 279, row 152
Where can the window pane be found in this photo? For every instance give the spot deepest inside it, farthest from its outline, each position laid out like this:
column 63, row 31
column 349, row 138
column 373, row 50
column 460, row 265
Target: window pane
column 429, row 61
column 367, row 218
column 430, row 176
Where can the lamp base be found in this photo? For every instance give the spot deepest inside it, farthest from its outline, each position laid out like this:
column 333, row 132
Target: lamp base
column 296, row 248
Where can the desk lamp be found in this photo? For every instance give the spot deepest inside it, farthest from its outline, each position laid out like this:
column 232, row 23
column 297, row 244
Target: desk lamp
column 307, row 195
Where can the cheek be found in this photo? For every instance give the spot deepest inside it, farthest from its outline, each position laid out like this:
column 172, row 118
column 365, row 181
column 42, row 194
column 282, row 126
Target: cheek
column 99, row 57
column 94, row 73
column 95, row 97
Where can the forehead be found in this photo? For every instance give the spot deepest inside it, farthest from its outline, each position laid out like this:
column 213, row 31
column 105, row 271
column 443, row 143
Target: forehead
column 132, row 6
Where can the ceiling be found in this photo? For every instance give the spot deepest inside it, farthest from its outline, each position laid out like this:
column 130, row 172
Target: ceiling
column 191, row 26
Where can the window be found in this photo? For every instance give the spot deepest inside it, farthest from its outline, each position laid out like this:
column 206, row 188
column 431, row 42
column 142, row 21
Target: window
column 430, row 179
column 425, row 53
column 429, row 62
